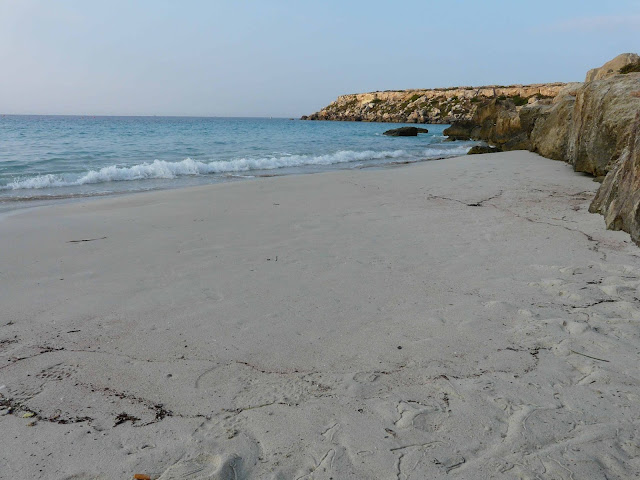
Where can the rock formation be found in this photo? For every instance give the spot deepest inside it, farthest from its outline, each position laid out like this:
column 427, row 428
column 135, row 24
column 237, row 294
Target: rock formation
column 593, row 126
column 482, row 149
column 405, row 132
column 440, row 105
column 612, row 67
column 618, row 198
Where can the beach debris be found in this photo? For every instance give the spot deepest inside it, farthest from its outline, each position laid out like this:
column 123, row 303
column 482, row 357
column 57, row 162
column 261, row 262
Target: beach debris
column 125, row 417
column 141, row 476
column 86, row 240
column 32, row 423
column 450, row 463
column 28, row 415
column 589, row 356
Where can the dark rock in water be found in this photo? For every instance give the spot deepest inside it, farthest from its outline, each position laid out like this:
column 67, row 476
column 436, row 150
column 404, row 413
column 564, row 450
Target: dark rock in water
column 304, row 117
column 405, row 132
column 480, row 149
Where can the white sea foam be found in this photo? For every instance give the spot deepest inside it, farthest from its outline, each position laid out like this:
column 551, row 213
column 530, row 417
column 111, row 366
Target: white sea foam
column 458, row 150
column 169, row 170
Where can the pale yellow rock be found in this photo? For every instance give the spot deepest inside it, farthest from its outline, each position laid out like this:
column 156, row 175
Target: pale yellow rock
column 612, row 67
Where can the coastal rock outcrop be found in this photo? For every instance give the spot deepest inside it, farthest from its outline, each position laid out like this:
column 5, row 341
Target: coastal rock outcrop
column 594, row 126
column 440, row 105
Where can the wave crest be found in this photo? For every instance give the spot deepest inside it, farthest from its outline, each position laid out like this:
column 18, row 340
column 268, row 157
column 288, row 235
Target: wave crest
column 162, row 169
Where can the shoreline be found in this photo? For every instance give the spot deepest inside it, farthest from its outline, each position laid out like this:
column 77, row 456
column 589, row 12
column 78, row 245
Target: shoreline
column 12, row 204
column 466, row 318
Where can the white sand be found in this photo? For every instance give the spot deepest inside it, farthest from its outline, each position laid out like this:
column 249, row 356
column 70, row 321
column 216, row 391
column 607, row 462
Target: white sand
column 253, row 329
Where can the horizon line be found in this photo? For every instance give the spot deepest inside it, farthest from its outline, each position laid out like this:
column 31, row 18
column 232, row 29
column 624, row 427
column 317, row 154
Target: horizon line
column 138, row 115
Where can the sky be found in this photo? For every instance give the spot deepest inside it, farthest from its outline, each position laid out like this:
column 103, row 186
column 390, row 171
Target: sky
column 288, row 58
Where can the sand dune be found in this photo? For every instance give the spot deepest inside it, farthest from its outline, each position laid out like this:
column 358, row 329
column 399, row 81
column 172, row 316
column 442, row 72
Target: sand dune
column 464, row 318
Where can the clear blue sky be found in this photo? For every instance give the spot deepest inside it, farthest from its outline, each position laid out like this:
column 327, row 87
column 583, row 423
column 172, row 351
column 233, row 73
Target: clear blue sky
column 288, row 58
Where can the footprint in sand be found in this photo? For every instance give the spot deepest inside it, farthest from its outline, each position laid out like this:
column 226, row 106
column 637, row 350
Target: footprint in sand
column 206, row 467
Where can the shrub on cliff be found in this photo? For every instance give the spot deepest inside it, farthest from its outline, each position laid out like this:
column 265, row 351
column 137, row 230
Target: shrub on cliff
column 630, row 68
column 519, row 101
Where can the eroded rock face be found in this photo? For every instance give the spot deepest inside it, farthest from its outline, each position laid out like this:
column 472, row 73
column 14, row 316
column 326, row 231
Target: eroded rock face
column 443, row 105
column 618, row 198
column 612, row 67
column 498, row 122
column 551, row 128
column 603, row 115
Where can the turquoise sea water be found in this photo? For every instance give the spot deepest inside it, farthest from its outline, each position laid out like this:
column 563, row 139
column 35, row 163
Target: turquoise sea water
column 50, row 157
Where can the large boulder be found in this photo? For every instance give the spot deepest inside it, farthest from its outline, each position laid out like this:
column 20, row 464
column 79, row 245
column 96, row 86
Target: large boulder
column 612, row 67
column 481, row 149
column 405, row 132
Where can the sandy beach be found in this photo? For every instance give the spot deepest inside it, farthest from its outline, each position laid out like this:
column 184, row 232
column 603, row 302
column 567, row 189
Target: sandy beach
column 464, row 318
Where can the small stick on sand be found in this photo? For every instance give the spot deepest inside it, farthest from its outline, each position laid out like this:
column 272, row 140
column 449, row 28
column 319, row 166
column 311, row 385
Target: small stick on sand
column 86, row 240
column 589, row 356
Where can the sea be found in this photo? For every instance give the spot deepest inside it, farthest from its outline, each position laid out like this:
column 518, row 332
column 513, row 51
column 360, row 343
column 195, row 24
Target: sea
column 53, row 158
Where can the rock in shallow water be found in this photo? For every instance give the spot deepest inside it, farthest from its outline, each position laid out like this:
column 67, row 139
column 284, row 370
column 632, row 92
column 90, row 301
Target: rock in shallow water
column 480, row 149
column 405, row 132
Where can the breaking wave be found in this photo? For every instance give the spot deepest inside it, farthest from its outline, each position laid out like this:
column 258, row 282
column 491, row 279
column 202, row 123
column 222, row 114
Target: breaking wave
column 167, row 170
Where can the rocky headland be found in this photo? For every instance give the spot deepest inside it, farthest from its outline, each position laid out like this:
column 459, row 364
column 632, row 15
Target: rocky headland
column 435, row 106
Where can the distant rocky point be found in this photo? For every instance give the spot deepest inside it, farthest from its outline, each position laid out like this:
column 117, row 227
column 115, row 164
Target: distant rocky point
column 435, row 106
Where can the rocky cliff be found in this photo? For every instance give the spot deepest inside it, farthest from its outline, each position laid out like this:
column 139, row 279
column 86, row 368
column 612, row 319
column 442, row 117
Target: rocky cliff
column 441, row 105
column 594, row 126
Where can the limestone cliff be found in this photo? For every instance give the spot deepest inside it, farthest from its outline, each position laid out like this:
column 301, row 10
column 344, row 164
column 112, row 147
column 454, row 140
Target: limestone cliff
column 593, row 126
column 441, row 105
